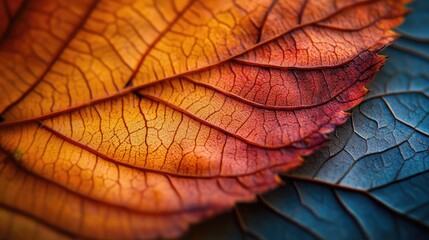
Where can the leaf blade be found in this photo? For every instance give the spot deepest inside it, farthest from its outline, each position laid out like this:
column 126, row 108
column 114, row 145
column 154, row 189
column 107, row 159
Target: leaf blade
column 114, row 120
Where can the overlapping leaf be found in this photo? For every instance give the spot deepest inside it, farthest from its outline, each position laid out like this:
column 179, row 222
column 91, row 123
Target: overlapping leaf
column 132, row 119
column 371, row 180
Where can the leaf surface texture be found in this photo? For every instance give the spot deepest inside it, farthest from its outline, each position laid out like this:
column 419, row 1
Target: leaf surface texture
column 371, row 180
column 132, row 119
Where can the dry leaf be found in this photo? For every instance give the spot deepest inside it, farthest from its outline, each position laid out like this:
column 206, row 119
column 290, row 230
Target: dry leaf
column 132, row 119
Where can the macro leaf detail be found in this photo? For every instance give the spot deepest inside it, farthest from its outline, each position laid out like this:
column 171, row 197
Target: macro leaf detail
column 370, row 180
column 133, row 119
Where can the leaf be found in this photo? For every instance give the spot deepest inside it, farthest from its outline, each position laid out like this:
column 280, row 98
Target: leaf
column 8, row 10
column 135, row 119
column 372, row 179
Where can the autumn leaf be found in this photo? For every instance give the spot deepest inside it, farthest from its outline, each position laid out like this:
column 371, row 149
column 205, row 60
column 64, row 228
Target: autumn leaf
column 8, row 10
column 371, row 180
column 134, row 119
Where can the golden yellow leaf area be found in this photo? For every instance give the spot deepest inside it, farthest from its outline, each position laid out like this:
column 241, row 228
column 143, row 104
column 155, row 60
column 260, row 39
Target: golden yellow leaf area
column 132, row 119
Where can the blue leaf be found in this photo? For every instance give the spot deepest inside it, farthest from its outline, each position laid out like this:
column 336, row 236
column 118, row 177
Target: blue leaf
column 334, row 212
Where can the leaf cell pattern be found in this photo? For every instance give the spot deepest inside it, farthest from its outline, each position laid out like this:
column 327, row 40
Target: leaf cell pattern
column 133, row 119
column 371, row 180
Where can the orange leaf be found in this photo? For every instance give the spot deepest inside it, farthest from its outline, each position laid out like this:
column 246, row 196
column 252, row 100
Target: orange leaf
column 133, row 119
